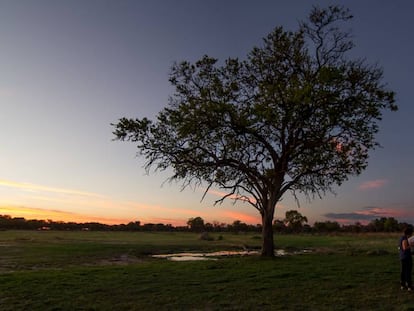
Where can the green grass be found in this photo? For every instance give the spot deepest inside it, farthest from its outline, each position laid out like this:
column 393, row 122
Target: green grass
column 77, row 271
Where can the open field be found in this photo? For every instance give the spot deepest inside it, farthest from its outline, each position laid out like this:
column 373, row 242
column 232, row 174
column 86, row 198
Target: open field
column 114, row 271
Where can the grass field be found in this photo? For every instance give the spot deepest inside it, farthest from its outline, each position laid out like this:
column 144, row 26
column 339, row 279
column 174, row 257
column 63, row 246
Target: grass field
column 114, row 271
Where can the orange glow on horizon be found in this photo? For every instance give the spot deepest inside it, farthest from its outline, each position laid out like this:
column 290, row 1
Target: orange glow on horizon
column 70, row 205
column 56, row 215
column 30, row 213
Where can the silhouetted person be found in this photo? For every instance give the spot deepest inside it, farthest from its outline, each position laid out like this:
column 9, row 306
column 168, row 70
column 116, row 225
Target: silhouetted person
column 406, row 259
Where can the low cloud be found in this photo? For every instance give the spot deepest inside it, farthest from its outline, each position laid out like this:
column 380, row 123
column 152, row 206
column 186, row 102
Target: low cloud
column 246, row 218
column 369, row 213
column 348, row 216
column 40, row 188
column 373, row 184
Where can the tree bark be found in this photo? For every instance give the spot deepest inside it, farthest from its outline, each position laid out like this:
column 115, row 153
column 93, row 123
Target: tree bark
column 267, row 234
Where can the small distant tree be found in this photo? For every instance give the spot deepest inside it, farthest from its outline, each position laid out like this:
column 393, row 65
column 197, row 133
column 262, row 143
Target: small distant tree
column 219, row 226
column 133, row 226
column 391, row 224
column 238, row 226
column 388, row 224
column 196, row 224
column 295, row 220
column 296, row 116
column 208, row 227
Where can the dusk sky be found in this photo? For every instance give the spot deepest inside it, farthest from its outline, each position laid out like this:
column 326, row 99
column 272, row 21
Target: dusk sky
column 71, row 68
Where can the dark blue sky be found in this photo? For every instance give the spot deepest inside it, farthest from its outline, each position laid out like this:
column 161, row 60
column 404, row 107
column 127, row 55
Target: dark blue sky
column 70, row 68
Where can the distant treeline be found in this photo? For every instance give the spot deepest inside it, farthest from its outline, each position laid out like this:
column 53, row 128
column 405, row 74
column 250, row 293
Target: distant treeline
column 197, row 224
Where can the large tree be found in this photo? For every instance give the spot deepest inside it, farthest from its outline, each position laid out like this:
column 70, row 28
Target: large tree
column 296, row 115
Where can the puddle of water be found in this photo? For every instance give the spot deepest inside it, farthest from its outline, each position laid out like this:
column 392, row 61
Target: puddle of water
column 203, row 256
column 214, row 255
column 280, row 252
column 189, row 258
column 166, row 256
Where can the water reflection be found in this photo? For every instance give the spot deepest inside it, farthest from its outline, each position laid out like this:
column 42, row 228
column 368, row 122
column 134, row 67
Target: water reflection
column 216, row 255
column 204, row 256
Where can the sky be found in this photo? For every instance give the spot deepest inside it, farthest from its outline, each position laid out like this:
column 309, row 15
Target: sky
column 71, row 68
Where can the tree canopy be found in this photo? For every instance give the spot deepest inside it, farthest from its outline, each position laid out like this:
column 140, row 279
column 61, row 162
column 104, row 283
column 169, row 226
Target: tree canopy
column 296, row 115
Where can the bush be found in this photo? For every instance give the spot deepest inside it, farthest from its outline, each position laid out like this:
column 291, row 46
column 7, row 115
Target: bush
column 206, row 237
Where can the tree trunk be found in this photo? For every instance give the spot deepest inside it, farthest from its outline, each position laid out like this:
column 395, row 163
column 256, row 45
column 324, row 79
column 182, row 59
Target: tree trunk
column 267, row 234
